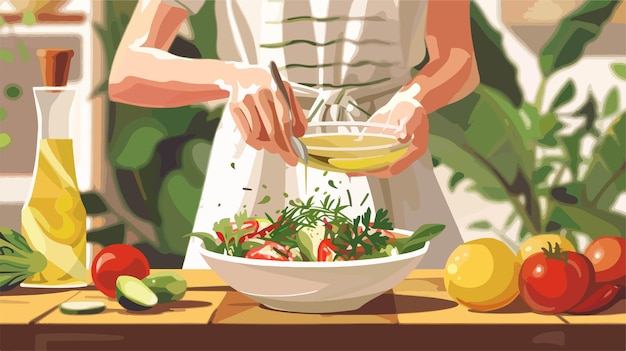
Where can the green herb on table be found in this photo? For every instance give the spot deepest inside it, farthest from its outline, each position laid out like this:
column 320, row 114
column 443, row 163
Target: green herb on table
column 17, row 260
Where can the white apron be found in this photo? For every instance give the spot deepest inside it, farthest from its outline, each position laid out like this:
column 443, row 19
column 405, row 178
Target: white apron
column 345, row 60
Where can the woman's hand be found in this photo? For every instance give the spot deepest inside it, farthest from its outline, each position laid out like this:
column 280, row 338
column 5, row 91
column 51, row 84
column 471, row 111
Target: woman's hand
column 261, row 113
column 412, row 121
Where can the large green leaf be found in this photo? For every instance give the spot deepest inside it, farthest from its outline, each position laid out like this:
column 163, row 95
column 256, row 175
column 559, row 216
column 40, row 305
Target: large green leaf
column 572, row 146
column 564, row 96
column 611, row 104
column 497, row 133
column 574, row 33
column 589, row 110
column 180, row 195
column 205, row 30
column 177, row 120
column 449, row 153
column 496, row 70
column 591, row 222
column 489, row 131
column 619, row 69
column 137, row 142
column 540, row 174
column 178, row 203
column 606, row 200
column 195, row 160
column 114, row 234
column 608, row 163
column 93, row 203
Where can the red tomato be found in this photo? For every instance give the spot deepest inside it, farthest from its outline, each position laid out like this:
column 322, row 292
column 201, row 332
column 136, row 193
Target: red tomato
column 608, row 257
column 553, row 282
column 599, row 298
column 326, row 251
column 270, row 251
column 115, row 260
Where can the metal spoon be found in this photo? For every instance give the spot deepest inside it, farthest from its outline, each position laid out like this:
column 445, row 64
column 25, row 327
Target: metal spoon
column 296, row 143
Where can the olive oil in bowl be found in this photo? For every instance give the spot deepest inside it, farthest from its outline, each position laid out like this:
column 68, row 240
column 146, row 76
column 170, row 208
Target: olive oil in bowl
column 351, row 150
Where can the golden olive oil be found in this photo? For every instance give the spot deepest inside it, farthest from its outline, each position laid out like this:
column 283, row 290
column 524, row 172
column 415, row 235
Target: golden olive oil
column 54, row 219
column 352, row 152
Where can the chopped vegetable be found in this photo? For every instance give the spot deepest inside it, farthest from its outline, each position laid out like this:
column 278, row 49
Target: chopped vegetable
column 326, row 251
column 82, row 307
column 271, row 251
column 17, row 260
column 168, row 286
column 133, row 294
column 308, row 240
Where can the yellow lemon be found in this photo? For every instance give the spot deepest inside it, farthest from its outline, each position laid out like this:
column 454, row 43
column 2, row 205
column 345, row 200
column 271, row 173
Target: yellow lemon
column 482, row 274
column 535, row 243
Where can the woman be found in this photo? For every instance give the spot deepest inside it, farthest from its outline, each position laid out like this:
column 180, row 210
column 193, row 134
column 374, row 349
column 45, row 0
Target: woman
column 344, row 60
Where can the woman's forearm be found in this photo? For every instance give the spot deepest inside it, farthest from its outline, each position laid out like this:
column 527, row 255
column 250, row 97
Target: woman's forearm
column 144, row 73
column 152, row 77
column 452, row 72
column 447, row 79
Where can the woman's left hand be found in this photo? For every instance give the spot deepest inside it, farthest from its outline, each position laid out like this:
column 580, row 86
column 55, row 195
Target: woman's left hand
column 411, row 118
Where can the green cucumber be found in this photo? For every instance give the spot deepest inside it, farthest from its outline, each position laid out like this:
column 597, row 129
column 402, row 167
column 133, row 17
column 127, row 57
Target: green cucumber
column 309, row 240
column 82, row 307
column 168, row 286
column 133, row 294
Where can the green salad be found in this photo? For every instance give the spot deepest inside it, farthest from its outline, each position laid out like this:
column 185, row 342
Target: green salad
column 308, row 231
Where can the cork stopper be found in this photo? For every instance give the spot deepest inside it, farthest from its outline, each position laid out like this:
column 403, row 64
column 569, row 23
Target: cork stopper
column 55, row 65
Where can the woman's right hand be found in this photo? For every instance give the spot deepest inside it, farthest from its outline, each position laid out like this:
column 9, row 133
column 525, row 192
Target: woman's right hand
column 261, row 113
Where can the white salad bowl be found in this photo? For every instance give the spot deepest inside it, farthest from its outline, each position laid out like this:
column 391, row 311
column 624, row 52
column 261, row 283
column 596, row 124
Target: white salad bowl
column 314, row 287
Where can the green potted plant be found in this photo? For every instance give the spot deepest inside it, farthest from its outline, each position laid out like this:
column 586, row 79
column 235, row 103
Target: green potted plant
column 492, row 135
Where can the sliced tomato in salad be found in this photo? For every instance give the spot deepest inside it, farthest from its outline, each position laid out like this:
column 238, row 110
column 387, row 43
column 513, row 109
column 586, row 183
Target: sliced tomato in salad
column 271, row 251
column 256, row 228
column 326, row 251
column 262, row 228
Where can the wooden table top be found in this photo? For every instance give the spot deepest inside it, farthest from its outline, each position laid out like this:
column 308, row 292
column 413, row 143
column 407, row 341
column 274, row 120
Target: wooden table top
column 417, row 314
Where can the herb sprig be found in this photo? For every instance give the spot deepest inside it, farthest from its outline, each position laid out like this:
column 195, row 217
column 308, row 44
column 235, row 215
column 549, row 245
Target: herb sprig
column 301, row 214
column 364, row 233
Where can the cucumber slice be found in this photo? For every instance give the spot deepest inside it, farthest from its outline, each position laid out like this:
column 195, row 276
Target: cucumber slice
column 133, row 294
column 309, row 240
column 168, row 286
column 82, row 307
